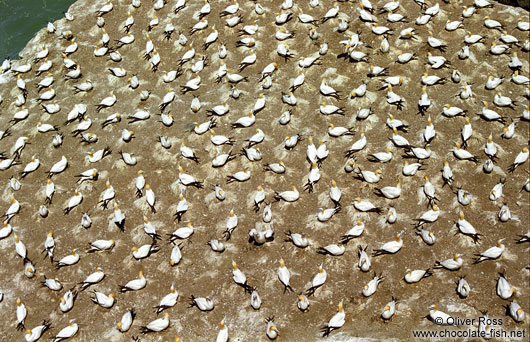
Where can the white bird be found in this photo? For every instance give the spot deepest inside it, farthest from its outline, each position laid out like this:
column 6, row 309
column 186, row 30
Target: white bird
column 516, row 311
column 414, row 276
column 284, row 276
column 157, row 325
column 67, row 332
column 70, row 259
column 240, row 278
column 389, row 309
column 101, row 245
column 390, row 192
column 496, row 192
column 135, row 284
column 438, row 317
column 451, row 264
column 302, row 303
column 332, row 249
column 520, row 159
column 35, row 334
column 467, row 228
column 491, row 253
column 318, row 280
column 144, row 251
column 365, row 206
column 364, row 259
column 203, row 304
column 126, row 320
column 411, row 169
column 21, row 313
column 390, row 247
column 336, row 322
column 93, row 278
column 297, row 239
column 103, row 300
column 504, row 289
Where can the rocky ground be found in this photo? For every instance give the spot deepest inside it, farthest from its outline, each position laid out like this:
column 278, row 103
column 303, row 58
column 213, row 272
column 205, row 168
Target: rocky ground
column 203, row 272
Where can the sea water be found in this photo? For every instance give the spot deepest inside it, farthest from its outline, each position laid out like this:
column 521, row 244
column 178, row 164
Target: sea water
column 21, row 19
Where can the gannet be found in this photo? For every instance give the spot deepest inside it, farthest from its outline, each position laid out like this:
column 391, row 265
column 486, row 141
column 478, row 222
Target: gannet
column 35, row 334
column 390, row 247
column 88, row 175
column 67, row 332
column 284, row 276
column 68, row 260
column 354, row 232
column 364, row 259
column 504, row 289
column 332, row 249
column 429, row 216
column 93, row 278
column 411, row 169
column 509, row 131
column 389, row 309
column 217, row 245
column 135, row 284
column 67, row 300
column 240, row 278
column 490, row 149
column 391, row 216
column 107, row 196
column 436, row 43
column 382, row 157
column 297, row 239
column 463, row 154
column 438, row 317
column 365, row 206
column 318, row 280
column 13, row 209
column 302, row 303
column 176, row 255
column 107, row 102
column 396, row 123
column 491, row 253
column 416, row 275
column 126, row 320
column 21, row 314
column 504, row 214
column 240, row 176
column 100, row 245
column 30, row 167
column 456, row 76
column 144, row 251
column 390, row 192
column 380, row 30
column 313, row 177
column 467, row 228
column 520, row 159
column 156, row 325
column 516, row 311
column 272, row 330
column 451, row 264
column 496, row 192
column 203, row 304
column 5, row 230
column 356, row 146
column 103, row 300
column 86, row 221
column 336, row 322
column 182, row 233
column 259, row 237
column 427, row 236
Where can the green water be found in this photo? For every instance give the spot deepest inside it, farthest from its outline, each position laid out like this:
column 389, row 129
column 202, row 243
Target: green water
column 21, row 19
